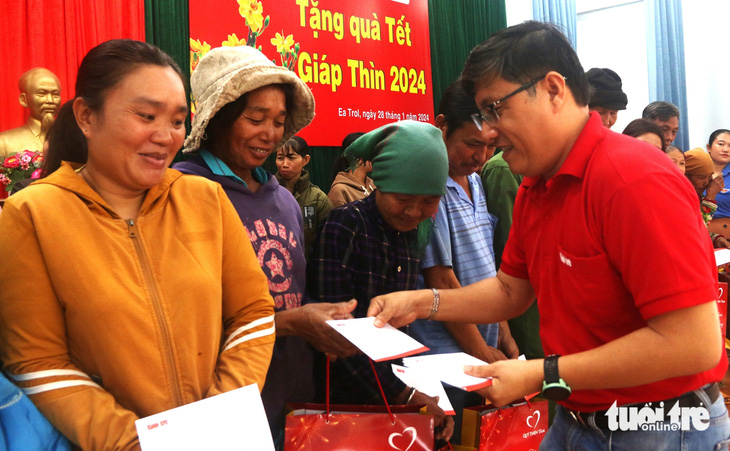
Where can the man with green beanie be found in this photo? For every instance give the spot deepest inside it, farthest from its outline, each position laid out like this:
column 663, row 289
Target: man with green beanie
column 374, row 246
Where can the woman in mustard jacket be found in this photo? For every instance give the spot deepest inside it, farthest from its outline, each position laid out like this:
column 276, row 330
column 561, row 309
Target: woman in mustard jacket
column 127, row 289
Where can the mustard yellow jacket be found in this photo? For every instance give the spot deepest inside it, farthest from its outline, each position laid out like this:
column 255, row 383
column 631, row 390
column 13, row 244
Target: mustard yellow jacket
column 103, row 320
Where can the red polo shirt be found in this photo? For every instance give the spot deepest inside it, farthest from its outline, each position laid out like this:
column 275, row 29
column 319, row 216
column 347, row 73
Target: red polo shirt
column 613, row 239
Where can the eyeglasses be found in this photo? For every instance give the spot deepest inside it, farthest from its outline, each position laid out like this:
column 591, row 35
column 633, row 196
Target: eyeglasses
column 489, row 113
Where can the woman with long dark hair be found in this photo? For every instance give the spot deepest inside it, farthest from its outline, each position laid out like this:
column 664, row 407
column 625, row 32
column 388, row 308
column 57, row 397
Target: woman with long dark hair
column 129, row 289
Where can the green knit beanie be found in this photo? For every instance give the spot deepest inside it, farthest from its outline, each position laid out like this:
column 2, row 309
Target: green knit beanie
column 409, row 157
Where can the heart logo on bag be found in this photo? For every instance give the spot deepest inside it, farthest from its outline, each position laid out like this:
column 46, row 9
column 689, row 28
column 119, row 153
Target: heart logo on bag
column 410, row 429
column 536, row 416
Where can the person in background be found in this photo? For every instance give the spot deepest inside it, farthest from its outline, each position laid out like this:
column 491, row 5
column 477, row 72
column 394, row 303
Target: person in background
column 247, row 107
column 342, row 163
column 130, row 289
column 677, row 156
column 666, row 116
column 374, row 246
column 718, row 147
column 315, row 205
column 619, row 327
column 351, row 183
column 647, row 131
column 501, row 186
column 460, row 250
column 699, row 171
column 606, row 95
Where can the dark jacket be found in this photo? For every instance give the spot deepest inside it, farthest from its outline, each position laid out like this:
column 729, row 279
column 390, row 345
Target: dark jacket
column 315, row 206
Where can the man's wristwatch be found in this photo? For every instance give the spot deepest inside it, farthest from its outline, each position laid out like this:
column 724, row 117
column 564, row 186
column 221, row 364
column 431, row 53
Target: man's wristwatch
column 553, row 387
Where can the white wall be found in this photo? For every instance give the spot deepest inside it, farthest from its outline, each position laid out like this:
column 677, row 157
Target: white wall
column 518, row 11
column 707, row 67
column 599, row 42
column 612, row 33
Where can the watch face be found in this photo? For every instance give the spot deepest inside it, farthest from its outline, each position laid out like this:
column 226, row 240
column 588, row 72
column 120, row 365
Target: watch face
column 556, row 392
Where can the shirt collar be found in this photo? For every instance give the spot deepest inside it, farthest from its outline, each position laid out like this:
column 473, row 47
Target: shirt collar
column 451, row 183
column 459, row 190
column 218, row 167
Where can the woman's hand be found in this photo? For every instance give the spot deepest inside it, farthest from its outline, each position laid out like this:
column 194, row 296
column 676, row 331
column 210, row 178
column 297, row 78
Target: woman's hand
column 721, row 243
column 310, row 322
column 716, row 185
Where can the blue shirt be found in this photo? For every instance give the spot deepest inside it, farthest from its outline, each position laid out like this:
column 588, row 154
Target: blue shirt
column 22, row 426
column 723, row 197
column 462, row 239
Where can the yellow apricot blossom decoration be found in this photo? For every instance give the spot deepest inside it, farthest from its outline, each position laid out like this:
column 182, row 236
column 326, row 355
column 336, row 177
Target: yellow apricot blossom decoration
column 197, row 51
column 283, row 45
column 196, row 46
column 233, row 41
column 253, row 12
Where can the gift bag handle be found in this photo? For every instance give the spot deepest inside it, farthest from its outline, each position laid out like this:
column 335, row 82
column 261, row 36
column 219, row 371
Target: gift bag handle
column 327, row 396
column 527, row 400
column 382, row 393
column 380, row 387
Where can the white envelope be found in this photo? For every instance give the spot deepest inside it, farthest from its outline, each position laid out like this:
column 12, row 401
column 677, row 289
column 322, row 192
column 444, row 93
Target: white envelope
column 449, row 368
column 379, row 344
column 425, row 383
column 234, row 420
column 722, row 256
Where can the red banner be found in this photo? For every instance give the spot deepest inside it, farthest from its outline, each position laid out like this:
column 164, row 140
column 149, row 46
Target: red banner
column 367, row 62
column 56, row 34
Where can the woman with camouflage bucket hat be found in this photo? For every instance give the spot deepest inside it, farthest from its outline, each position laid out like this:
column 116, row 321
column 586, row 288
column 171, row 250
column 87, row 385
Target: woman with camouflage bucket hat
column 247, row 107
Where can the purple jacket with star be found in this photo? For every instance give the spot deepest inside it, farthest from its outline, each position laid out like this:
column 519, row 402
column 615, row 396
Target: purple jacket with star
column 274, row 223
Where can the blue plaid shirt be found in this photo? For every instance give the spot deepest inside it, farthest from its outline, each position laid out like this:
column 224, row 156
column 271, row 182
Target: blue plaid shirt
column 462, row 239
column 358, row 255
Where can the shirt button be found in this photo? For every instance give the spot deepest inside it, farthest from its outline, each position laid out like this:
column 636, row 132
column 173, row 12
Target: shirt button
column 399, row 269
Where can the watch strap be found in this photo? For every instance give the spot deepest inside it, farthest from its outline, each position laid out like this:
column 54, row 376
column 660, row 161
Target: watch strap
column 552, row 375
column 554, row 387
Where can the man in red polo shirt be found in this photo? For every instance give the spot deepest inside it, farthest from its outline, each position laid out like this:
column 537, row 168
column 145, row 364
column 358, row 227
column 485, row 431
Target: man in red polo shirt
column 627, row 311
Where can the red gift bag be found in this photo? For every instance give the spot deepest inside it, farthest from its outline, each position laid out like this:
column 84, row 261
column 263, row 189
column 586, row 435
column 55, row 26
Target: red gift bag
column 351, row 428
column 518, row 427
